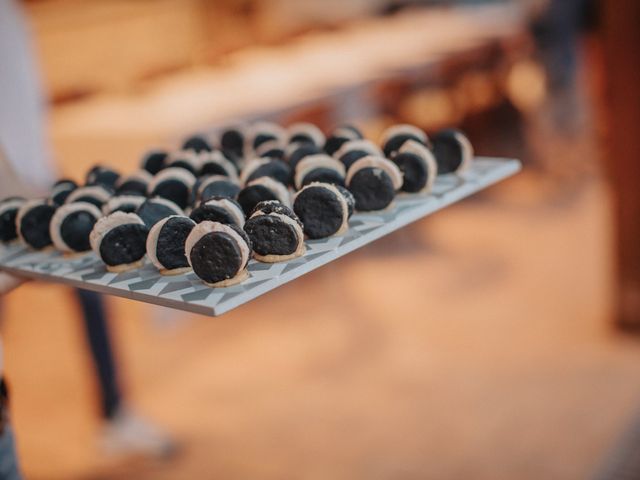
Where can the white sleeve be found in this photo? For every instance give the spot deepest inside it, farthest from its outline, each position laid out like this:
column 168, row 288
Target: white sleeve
column 23, row 111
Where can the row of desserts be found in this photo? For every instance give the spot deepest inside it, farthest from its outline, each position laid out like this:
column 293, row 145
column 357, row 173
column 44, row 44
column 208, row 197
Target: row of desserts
column 235, row 188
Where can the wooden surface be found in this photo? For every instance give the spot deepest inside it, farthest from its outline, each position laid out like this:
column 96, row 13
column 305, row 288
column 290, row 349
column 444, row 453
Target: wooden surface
column 620, row 29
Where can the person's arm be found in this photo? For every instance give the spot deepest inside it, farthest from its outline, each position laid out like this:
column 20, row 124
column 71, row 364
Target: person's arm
column 9, row 282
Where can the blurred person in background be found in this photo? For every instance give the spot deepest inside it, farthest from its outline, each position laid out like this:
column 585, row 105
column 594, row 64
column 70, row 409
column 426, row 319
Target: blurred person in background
column 25, row 170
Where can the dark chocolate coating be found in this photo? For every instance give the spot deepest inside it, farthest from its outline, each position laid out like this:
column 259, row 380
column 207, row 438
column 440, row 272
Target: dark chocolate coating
column 303, row 151
column 275, row 152
column 414, row 170
column 151, row 212
column 276, row 169
column 250, row 196
column 323, row 175
column 245, row 237
column 90, row 199
column 232, row 140
column 75, row 230
column 213, row 213
column 274, row 206
column 220, row 188
column 302, row 137
column 262, row 137
column 35, row 226
column 60, row 197
column 448, row 151
column 155, row 161
column 271, row 235
column 183, row 163
column 320, row 210
column 349, row 198
column 193, row 194
column 334, row 141
column 396, row 141
column 372, row 188
column 212, row 168
column 197, row 143
column 67, row 182
column 127, row 208
column 216, row 257
column 100, row 175
column 333, row 144
column 351, row 157
column 356, row 131
column 173, row 189
column 8, row 229
column 171, row 240
column 124, row 244
column 132, row 187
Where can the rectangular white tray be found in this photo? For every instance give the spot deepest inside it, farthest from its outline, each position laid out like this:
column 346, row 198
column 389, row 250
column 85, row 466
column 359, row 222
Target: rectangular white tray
column 186, row 292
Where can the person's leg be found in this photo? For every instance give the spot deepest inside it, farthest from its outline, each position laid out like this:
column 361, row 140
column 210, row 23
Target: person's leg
column 123, row 432
column 9, row 469
column 97, row 332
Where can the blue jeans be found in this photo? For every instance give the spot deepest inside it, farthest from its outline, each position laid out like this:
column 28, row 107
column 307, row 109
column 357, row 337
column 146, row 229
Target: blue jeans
column 9, row 469
column 97, row 333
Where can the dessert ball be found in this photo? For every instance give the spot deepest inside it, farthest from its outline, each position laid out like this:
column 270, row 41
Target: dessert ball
column 232, row 140
column 319, row 168
column 296, row 152
column 217, row 186
column 323, row 210
column 216, row 163
column 373, row 181
column 8, row 212
column 71, row 226
column 418, row 167
column 153, row 210
column 123, row 203
column 197, row 143
column 265, row 167
column 32, row 222
column 219, row 209
column 120, row 240
column 97, row 195
column 135, row 184
column 349, row 198
column 218, row 253
column 187, row 160
column 166, row 244
column 453, row 151
column 100, row 175
column 263, row 188
column 276, row 235
column 271, row 149
column 394, row 136
column 340, row 136
column 306, row 133
column 267, row 207
column 154, row 161
column 173, row 184
column 356, row 149
column 61, row 190
column 262, row 132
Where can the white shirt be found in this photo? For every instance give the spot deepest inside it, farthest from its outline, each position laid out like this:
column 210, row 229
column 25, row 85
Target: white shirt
column 22, row 114
column 22, row 107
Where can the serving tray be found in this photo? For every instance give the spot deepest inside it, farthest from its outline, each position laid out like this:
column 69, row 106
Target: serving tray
column 187, row 292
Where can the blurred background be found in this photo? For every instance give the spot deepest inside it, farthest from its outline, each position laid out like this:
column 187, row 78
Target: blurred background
column 493, row 340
